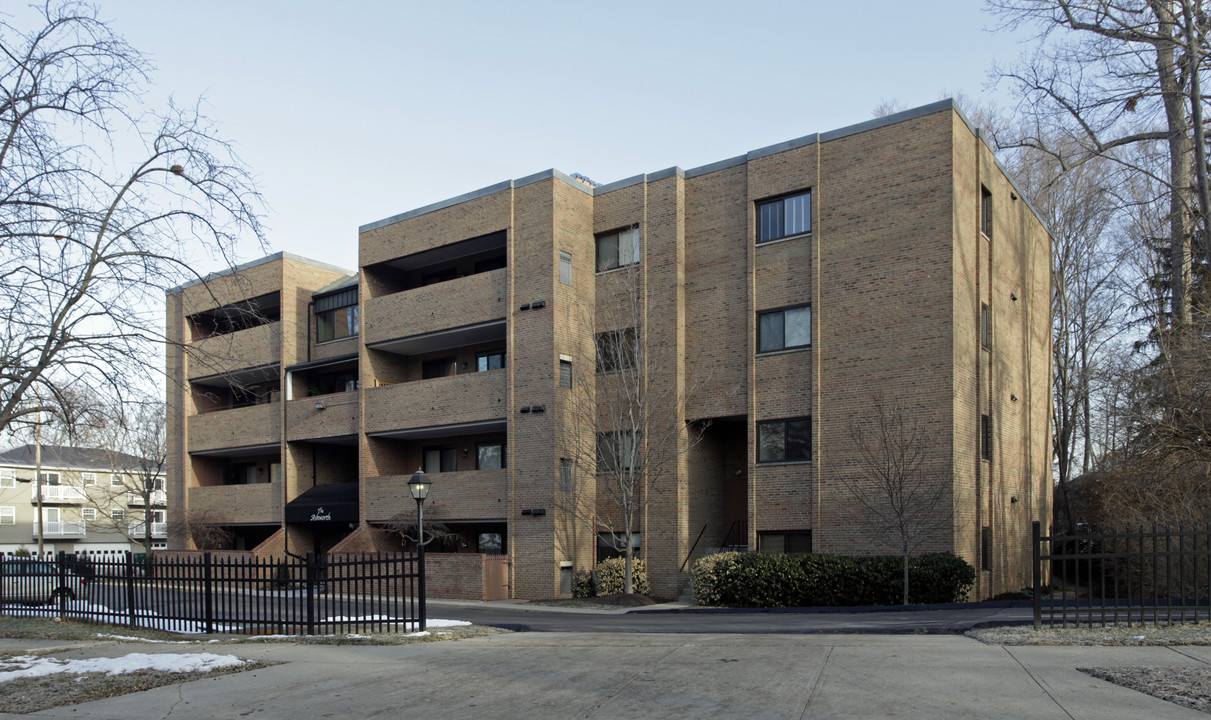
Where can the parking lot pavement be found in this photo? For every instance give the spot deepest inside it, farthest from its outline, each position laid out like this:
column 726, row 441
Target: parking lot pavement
column 645, row 675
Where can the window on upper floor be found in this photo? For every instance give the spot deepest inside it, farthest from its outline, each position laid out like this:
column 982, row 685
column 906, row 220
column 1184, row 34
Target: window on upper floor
column 784, row 216
column 617, row 350
column 117, row 514
column 986, row 212
column 88, row 478
column 985, row 437
column 260, row 310
column 336, row 315
column 787, row 440
column 88, row 514
column 784, row 329
column 567, row 475
column 494, row 360
column 439, row 367
column 565, row 374
column 8, row 478
column 985, row 326
column 565, row 268
column 616, row 451
column 51, row 478
column 440, row 459
column 490, row 456
column 617, row 249
column 116, row 481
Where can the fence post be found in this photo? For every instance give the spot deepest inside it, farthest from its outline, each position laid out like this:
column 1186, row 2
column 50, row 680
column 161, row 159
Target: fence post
column 310, row 559
column 129, row 573
column 208, row 592
column 420, row 583
column 62, row 569
column 1037, row 556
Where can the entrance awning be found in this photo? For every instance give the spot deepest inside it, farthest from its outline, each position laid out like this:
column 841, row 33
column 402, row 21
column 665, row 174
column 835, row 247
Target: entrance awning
column 325, row 504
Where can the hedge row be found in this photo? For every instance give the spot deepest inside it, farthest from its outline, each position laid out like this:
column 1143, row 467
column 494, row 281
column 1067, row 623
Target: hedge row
column 762, row 580
column 609, row 578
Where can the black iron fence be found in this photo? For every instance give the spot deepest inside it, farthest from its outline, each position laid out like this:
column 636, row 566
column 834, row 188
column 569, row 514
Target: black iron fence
column 220, row 593
column 1143, row 575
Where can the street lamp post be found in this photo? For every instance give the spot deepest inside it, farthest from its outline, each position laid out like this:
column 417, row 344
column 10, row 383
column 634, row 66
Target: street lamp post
column 419, row 485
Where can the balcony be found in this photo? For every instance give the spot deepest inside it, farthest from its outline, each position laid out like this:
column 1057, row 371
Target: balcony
column 74, row 528
column 338, row 418
column 257, row 425
column 237, row 504
column 158, row 530
column 464, row 302
column 57, row 494
column 158, row 497
column 441, row 402
column 249, row 348
column 477, row 494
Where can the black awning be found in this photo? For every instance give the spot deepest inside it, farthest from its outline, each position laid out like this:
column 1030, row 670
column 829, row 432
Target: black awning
column 325, row 504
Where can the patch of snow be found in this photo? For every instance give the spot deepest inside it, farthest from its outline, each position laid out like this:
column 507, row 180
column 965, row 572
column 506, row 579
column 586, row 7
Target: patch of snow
column 31, row 666
column 132, row 638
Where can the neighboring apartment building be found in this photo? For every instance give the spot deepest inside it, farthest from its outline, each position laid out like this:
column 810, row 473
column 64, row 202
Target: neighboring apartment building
column 778, row 297
column 94, row 501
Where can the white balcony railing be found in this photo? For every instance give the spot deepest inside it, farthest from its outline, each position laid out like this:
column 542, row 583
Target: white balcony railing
column 158, row 530
column 57, row 493
column 73, row 528
column 158, row 497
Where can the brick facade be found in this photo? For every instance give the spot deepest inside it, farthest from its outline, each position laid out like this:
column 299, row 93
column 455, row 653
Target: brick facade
column 894, row 268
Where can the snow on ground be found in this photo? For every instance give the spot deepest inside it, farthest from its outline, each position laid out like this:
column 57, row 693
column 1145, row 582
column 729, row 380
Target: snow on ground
column 132, row 638
column 31, row 666
column 83, row 610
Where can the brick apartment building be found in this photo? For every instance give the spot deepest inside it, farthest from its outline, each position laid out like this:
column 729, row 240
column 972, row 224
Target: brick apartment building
column 776, row 297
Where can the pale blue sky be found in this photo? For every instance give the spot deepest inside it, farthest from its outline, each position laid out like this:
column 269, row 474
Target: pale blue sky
column 350, row 112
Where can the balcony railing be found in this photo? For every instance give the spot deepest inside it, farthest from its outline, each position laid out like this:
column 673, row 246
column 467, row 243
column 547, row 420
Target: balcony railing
column 157, row 497
column 57, row 494
column 73, row 528
column 158, row 529
column 454, row 400
column 467, row 301
column 241, row 427
column 248, row 348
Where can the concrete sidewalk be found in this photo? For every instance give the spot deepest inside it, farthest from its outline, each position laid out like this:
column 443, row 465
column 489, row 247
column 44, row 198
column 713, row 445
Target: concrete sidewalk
column 593, row 675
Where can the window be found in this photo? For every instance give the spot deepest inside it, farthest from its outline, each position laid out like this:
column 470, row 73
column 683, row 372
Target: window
column 336, row 324
column 441, row 367
column 784, row 217
column 275, row 472
column 490, row 456
column 567, row 475
column 490, row 264
column 565, row 374
column 784, row 440
column 616, row 451
column 491, row 543
column 986, row 437
column 565, row 268
column 617, row 249
column 117, row 514
column 617, row 350
column 986, row 548
column 785, row 542
column 8, row 478
column 8, row 515
column 612, row 545
column 116, row 481
column 88, row 513
column 985, row 212
column 784, row 329
column 50, row 478
column 87, row 479
column 985, row 326
column 494, row 360
column 440, row 459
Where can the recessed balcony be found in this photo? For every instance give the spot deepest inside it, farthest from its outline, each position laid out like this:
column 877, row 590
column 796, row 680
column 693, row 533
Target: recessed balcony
column 447, row 402
column 237, row 504
column 249, row 348
column 258, row 425
column 465, row 302
column 323, row 417
column 471, row 494
column 58, row 494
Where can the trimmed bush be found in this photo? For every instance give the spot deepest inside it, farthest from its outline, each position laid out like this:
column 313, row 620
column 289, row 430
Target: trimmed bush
column 761, row 580
column 611, row 577
column 582, row 584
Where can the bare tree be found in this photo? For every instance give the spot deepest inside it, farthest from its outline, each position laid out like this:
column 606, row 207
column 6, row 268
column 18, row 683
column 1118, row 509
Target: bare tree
column 137, row 445
column 896, row 482
column 201, row 525
column 91, row 234
column 625, row 429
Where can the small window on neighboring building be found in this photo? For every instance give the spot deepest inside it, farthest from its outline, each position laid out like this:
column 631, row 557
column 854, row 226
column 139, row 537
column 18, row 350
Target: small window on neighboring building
column 565, row 268
column 784, row 329
column 784, row 440
column 565, row 373
column 441, row 367
column 336, row 315
column 617, row 350
column 567, row 475
column 88, row 513
column 116, row 481
column 784, row 217
column 88, row 478
column 494, row 360
column 117, row 514
column 985, row 326
column 617, row 249
column 986, row 548
column 440, row 459
column 789, row 541
column 985, row 212
column 490, row 456
column 8, row 478
column 986, row 437
column 8, row 515
column 616, row 451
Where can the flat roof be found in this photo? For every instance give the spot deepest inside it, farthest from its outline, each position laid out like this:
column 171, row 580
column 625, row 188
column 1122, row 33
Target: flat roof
column 254, row 263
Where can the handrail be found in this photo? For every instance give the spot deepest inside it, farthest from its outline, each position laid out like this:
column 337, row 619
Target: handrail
column 691, row 552
column 743, row 524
